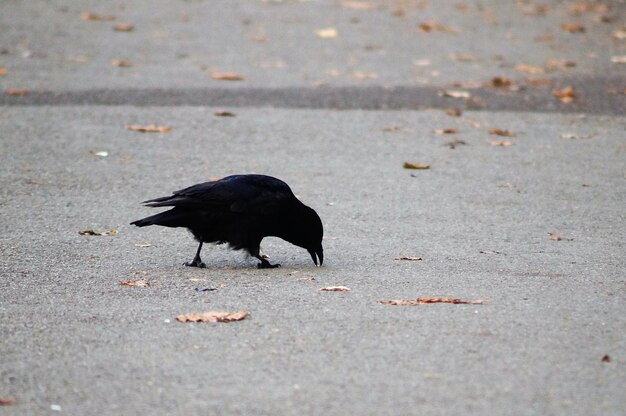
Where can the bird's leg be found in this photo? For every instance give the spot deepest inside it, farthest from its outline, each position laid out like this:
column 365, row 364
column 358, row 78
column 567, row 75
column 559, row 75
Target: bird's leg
column 264, row 263
column 196, row 262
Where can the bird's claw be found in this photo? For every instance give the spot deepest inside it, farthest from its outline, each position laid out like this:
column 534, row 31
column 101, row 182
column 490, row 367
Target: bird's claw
column 199, row 264
column 267, row 265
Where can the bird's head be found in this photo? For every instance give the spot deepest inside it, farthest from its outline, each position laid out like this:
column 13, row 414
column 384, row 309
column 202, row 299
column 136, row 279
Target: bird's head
column 308, row 233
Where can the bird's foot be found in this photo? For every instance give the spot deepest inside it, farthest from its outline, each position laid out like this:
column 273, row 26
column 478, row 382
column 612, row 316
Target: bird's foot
column 267, row 265
column 195, row 263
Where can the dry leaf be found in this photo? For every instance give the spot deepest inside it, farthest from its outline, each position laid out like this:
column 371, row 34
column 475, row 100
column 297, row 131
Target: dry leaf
column 357, row 5
column 503, row 143
column 555, row 236
column 224, row 114
column 408, row 258
column 213, row 316
column 96, row 16
column 530, row 69
column 450, row 130
column 136, row 283
column 573, row 27
column 499, row 132
column 121, row 63
column 566, row 95
column 150, row 128
column 556, row 64
column 499, row 82
column 391, row 128
column 7, row 401
column 408, row 165
column 421, row 301
column 124, row 27
column 227, row 76
column 454, row 112
column 580, row 8
column 431, row 25
column 455, row 94
column 606, row 359
column 335, row 289
column 17, row 93
column 618, row 59
column 92, row 232
column 143, row 245
column 327, row 33
column 3, row 72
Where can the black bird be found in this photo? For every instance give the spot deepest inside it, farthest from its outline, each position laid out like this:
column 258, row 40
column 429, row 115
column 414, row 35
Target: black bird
column 241, row 210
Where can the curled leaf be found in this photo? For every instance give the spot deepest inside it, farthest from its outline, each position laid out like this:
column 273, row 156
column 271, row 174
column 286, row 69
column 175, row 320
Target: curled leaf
column 409, row 165
column 213, row 316
column 335, row 289
column 226, row 76
column 573, row 27
column 150, row 128
column 121, row 63
column 421, row 301
column 502, row 143
column 449, row 130
column 500, row 132
column 565, row 95
column 124, row 27
column 224, row 114
column 136, row 283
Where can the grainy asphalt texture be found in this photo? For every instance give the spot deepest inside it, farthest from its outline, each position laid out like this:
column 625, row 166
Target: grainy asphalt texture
column 336, row 118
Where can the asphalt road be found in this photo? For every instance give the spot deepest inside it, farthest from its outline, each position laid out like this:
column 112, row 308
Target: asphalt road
column 336, row 119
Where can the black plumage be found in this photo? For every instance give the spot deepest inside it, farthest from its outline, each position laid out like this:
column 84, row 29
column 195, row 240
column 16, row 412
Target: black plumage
column 241, row 210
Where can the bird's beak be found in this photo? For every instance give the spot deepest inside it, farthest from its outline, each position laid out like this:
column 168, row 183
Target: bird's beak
column 317, row 254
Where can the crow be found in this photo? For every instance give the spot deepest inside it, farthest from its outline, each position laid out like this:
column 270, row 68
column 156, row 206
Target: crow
column 241, row 210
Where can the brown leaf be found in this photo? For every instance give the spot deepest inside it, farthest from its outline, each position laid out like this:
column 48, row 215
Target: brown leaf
column 224, row 114
column 17, row 93
column 449, row 130
column 499, row 132
column 96, row 16
column 573, row 27
column 150, row 128
column 408, row 258
column 503, row 143
column 327, row 33
column 121, row 63
column 409, row 165
column 539, row 82
column 553, row 64
column 566, row 95
column 421, row 301
column 530, row 69
column 454, row 112
column 499, row 82
column 124, row 27
column 7, row 401
column 213, row 316
column 225, row 76
column 3, row 72
column 100, row 233
column 431, row 25
column 136, row 283
column 335, row 289
column 606, row 359
column 555, row 236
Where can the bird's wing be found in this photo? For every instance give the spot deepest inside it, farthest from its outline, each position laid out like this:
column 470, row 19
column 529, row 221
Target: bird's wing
column 257, row 194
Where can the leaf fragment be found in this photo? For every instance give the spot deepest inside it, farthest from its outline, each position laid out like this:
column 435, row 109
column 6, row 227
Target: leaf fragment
column 122, row 63
column 335, row 289
column 432, row 25
column 213, row 316
column 618, row 59
column 224, row 114
column 409, row 258
column 124, row 27
column 7, row 401
column 555, row 236
column 17, row 93
column 409, row 165
column 449, row 130
column 227, row 76
column 500, row 132
column 422, row 301
column 327, row 33
column 136, row 283
column 553, row 64
column 500, row 82
column 98, row 233
column 96, row 16
column 150, row 128
column 502, row 143
column 565, row 95
column 573, row 27
column 455, row 94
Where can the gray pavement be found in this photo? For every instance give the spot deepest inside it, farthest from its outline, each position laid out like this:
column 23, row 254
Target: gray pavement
column 73, row 341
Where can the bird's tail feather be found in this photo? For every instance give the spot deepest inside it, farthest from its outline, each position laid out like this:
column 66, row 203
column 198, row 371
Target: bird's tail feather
column 171, row 218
